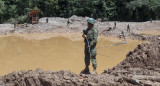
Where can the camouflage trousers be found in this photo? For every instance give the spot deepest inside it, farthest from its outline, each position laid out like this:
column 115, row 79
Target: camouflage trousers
column 93, row 57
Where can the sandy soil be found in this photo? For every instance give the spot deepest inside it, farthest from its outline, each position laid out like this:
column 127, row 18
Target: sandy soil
column 78, row 24
column 150, row 32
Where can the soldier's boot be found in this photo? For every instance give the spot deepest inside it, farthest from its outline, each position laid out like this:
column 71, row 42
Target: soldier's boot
column 85, row 71
column 94, row 71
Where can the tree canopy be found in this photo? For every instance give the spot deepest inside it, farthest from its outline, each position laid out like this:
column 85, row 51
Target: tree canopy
column 121, row 10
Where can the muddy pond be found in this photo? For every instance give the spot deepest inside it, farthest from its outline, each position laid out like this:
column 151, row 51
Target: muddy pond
column 58, row 52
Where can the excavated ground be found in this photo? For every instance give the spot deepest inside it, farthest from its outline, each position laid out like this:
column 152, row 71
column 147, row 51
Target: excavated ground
column 140, row 68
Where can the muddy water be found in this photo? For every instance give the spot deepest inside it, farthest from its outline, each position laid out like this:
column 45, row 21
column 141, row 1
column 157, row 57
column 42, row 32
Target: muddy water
column 150, row 32
column 58, row 53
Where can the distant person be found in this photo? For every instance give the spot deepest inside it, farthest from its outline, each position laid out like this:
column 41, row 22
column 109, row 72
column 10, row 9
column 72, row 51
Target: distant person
column 151, row 20
column 110, row 28
column 128, row 28
column 47, row 20
column 15, row 25
column 26, row 25
column 115, row 25
column 90, row 36
column 68, row 22
column 122, row 35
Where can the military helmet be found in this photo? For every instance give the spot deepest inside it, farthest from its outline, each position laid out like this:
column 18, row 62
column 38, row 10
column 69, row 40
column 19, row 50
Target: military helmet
column 91, row 20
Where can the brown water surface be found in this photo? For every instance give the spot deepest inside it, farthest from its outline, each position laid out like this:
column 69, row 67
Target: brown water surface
column 58, row 53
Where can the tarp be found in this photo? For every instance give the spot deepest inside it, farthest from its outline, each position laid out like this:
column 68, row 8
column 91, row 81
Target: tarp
column 34, row 12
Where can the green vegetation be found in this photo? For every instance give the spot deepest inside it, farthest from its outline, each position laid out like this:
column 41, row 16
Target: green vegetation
column 122, row 10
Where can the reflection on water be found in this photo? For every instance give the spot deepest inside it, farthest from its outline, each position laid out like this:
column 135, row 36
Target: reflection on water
column 57, row 53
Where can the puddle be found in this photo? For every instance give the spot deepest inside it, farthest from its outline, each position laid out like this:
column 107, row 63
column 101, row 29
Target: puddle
column 58, row 53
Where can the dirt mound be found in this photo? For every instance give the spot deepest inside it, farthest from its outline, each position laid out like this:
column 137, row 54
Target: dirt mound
column 39, row 78
column 141, row 66
column 50, row 78
column 144, row 56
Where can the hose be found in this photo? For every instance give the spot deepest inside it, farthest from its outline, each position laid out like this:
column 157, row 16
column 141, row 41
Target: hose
column 112, row 45
column 89, row 49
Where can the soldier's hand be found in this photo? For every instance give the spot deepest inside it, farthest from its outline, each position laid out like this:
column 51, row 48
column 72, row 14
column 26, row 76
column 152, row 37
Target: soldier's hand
column 84, row 36
column 89, row 46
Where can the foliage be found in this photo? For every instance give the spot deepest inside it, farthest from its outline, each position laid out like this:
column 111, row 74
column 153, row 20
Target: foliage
column 123, row 10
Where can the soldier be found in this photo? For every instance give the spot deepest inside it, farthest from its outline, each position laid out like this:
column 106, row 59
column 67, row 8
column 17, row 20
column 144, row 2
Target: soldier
column 90, row 36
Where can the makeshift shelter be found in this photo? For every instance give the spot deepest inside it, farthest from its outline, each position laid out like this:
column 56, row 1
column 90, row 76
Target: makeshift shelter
column 33, row 16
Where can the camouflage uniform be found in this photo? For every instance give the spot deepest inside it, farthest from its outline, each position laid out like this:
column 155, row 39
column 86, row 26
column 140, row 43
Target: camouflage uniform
column 92, row 35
